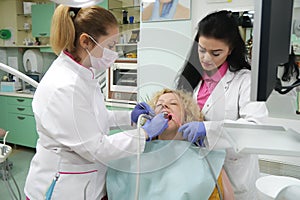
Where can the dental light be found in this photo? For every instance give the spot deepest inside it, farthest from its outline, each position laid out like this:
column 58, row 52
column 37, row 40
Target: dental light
column 78, row 3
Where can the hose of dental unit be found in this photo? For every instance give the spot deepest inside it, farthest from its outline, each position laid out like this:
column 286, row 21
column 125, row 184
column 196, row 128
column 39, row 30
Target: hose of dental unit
column 138, row 158
column 7, row 183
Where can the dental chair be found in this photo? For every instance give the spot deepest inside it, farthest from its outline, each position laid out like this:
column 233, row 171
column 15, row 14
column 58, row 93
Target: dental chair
column 290, row 192
column 6, row 167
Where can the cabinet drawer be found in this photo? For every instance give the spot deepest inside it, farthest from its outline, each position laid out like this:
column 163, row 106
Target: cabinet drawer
column 22, row 130
column 21, row 101
column 25, row 110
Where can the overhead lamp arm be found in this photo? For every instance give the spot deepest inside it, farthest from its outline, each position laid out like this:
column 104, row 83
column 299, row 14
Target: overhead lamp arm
column 76, row 3
column 18, row 74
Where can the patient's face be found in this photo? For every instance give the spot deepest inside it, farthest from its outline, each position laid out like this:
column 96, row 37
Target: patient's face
column 171, row 104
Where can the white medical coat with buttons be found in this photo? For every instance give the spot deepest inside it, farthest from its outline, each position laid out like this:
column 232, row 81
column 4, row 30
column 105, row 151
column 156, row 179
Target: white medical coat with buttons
column 230, row 102
column 73, row 126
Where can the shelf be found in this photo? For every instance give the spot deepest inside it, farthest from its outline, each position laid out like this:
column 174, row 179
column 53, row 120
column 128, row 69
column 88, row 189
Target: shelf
column 24, row 15
column 24, row 46
column 135, row 23
column 126, row 44
column 25, row 30
column 126, row 60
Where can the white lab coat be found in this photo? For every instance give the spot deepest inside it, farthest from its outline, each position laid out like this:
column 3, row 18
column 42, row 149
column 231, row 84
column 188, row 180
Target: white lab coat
column 230, row 101
column 73, row 125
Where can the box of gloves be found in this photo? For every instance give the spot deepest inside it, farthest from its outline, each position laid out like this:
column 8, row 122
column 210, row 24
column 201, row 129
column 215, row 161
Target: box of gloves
column 7, row 86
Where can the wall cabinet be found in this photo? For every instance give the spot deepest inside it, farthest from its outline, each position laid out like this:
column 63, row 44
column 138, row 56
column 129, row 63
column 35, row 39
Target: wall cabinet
column 41, row 19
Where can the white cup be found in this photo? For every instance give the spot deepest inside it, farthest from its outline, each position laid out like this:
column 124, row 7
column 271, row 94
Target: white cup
column 26, row 26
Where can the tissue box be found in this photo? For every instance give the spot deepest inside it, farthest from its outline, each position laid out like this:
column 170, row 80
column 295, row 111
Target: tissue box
column 8, row 86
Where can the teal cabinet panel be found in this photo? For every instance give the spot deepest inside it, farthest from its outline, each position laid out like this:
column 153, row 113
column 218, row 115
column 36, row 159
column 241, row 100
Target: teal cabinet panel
column 104, row 4
column 20, row 101
column 22, row 130
column 25, row 110
column 16, row 116
column 46, row 50
column 118, row 108
column 3, row 112
column 117, row 130
column 41, row 16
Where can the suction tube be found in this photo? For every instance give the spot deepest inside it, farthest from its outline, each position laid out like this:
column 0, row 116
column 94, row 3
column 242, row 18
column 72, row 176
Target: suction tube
column 138, row 157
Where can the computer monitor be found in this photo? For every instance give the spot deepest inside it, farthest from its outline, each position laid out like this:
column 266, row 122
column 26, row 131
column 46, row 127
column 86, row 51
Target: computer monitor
column 271, row 44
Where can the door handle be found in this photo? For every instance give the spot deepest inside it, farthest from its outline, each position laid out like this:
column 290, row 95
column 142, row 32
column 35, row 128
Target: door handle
column 21, row 109
column 20, row 118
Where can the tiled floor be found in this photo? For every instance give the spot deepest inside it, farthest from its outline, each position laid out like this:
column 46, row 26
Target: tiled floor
column 20, row 158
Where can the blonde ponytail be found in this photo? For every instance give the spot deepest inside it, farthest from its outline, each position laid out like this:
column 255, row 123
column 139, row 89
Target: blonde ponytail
column 62, row 35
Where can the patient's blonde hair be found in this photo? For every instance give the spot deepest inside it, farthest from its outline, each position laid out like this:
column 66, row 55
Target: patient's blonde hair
column 190, row 107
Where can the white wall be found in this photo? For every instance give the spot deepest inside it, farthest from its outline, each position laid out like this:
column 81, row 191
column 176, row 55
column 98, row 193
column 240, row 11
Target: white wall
column 162, row 51
column 200, row 8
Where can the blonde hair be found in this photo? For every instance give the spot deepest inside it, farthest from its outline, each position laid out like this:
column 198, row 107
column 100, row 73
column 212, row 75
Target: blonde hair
column 190, row 107
column 69, row 23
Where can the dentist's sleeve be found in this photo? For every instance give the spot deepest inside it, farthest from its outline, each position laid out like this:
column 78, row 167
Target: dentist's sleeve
column 248, row 112
column 72, row 124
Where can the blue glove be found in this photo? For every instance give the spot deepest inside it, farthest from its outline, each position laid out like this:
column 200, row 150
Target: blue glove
column 141, row 108
column 156, row 126
column 193, row 132
column 168, row 10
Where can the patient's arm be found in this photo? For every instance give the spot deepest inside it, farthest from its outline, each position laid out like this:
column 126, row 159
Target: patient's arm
column 227, row 188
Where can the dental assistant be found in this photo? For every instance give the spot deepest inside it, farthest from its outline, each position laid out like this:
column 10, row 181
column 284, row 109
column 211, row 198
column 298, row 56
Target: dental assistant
column 218, row 74
column 72, row 121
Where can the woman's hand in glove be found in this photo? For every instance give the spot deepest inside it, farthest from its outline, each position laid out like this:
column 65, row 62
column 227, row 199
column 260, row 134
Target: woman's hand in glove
column 156, row 126
column 193, row 131
column 141, row 108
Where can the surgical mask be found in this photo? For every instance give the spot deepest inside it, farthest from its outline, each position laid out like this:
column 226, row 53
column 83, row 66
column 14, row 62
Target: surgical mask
column 107, row 59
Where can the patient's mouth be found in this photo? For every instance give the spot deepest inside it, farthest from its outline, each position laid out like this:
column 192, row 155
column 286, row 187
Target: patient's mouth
column 167, row 115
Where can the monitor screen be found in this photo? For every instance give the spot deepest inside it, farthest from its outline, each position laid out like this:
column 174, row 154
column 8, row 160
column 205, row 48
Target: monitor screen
column 271, row 44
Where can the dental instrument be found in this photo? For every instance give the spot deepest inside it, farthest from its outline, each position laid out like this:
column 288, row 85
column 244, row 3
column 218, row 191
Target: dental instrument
column 139, row 124
column 5, row 169
column 138, row 157
column 151, row 113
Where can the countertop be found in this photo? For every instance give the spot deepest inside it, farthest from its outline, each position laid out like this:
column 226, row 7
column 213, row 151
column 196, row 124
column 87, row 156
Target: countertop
column 30, row 95
column 17, row 94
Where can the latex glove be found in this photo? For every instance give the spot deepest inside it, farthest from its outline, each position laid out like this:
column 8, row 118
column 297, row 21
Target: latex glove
column 193, row 132
column 141, row 108
column 156, row 126
column 168, row 10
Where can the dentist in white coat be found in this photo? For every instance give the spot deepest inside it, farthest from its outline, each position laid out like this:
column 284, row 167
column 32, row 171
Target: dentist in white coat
column 72, row 121
column 218, row 74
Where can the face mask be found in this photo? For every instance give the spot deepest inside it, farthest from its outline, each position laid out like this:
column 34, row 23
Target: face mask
column 107, row 59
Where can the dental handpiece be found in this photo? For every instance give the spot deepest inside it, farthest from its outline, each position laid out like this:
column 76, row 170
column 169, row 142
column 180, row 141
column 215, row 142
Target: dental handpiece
column 168, row 116
column 150, row 115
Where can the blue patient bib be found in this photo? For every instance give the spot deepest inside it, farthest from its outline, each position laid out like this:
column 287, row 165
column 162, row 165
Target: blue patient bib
column 168, row 169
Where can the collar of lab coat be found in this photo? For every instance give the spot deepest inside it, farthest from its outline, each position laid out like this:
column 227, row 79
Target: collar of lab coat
column 82, row 71
column 218, row 92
